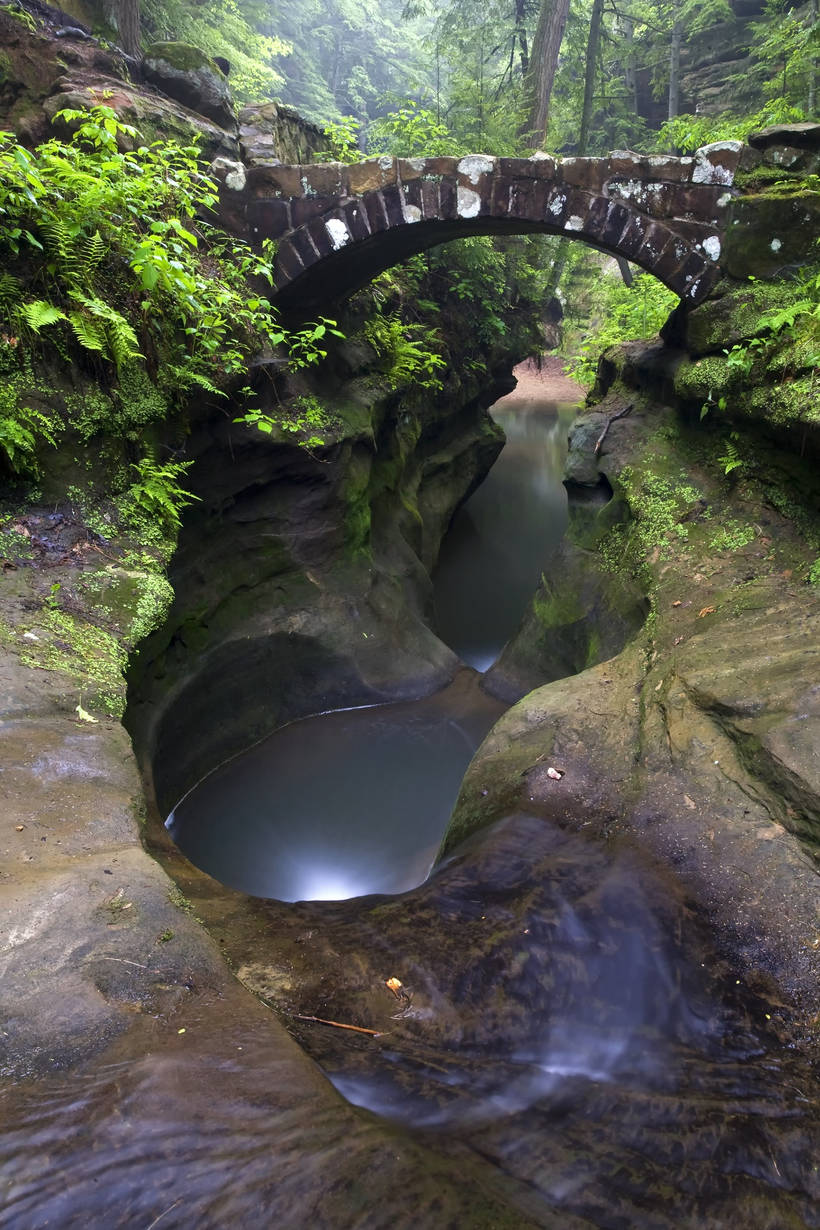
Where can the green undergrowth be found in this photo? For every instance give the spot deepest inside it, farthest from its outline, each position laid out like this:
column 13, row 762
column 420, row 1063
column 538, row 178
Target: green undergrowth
column 110, row 268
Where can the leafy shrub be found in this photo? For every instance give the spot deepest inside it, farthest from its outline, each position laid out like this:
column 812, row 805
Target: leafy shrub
column 621, row 313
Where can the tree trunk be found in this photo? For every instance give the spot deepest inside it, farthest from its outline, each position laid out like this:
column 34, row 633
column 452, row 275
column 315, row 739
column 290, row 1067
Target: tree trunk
column 674, row 70
column 125, row 16
column 521, row 33
column 593, row 47
column 811, row 93
column 627, row 26
column 552, row 18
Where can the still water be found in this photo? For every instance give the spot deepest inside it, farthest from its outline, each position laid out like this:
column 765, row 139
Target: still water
column 371, row 821
column 270, row 823
column 501, row 539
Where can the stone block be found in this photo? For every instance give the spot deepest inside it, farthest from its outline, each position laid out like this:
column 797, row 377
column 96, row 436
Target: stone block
column 448, row 197
column 440, row 166
column 355, row 216
column 791, row 158
column 716, row 163
column 517, row 168
column 305, row 208
column 701, row 235
column 410, row 169
column 520, row 198
column 376, row 214
column 655, row 240
column 372, row 175
column 269, row 219
column 267, row 180
column 586, row 173
column 303, row 245
column 412, row 193
column 542, row 166
column 288, row 265
column 653, row 197
column 324, row 179
column 598, row 209
column 501, row 193
column 702, row 202
column 320, row 237
column 430, row 198
column 633, row 236
column 556, row 208
column 472, row 170
column 393, row 205
column 764, row 233
column 617, row 219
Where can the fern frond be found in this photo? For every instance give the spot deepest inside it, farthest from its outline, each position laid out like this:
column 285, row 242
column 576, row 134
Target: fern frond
column 106, row 328
column 92, row 251
column 10, row 290
column 89, row 332
column 40, row 313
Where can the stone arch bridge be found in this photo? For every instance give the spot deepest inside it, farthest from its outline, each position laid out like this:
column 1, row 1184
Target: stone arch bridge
column 339, row 225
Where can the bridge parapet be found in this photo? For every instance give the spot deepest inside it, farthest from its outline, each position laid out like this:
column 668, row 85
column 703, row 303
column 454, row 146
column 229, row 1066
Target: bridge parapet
column 339, row 224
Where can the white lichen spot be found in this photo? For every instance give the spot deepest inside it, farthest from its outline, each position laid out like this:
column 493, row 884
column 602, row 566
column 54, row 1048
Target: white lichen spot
column 723, row 200
column 338, row 232
column 475, row 165
column 629, row 189
column 307, row 190
column 776, row 245
column 709, row 169
column 693, row 289
column 573, row 223
column 418, row 164
column 385, row 162
column 412, row 213
column 468, row 202
column 711, row 246
column 232, row 173
column 557, row 204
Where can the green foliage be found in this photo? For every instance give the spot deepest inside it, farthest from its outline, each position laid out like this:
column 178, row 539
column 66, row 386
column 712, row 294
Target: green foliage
column 412, row 130
column 814, row 572
column 132, row 272
column 730, row 458
column 343, row 135
column 22, row 431
column 157, row 493
column 405, row 352
column 304, row 416
column 621, row 313
column 686, row 133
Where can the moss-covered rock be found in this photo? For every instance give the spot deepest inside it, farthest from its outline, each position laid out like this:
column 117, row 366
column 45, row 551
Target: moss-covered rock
column 767, row 231
column 192, row 78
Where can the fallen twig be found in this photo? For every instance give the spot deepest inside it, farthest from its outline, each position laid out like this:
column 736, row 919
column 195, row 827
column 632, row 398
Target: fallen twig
column 609, row 423
column 318, row 1020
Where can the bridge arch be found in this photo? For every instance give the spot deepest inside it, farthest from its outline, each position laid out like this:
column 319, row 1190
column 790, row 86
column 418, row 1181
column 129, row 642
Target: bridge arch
column 337, row 226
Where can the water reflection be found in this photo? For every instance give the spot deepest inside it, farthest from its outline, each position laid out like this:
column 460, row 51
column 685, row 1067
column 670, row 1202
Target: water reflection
column 500, row 540
column 338, row 805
